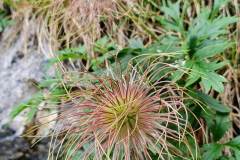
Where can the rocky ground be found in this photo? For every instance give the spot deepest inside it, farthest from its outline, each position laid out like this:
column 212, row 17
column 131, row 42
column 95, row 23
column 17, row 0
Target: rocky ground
column 21, row 66
column 18, row 148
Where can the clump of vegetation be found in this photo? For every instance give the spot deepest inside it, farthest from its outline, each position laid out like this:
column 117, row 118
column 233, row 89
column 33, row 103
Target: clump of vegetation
column 125, row 118
column 141, row 79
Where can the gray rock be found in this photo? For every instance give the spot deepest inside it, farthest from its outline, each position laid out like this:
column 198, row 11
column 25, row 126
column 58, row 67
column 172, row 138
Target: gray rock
column 20, row 149
column 21, row 65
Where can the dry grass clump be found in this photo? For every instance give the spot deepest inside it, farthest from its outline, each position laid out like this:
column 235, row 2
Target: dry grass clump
column 61, row 24
column 70, row 22
column 23, row 25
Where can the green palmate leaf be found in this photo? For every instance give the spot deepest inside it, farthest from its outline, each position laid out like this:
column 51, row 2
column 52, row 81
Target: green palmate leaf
column 170, row 25
column 211, row 48
column 217, row 27
column 209, row 101
column 234, row 143
column 212, row 151
column 236, row 153
column 221, row 125
column 172, row 10
column 205, row 83
column 218, row 123
column 213, row 66
column 221, row 23
column 204, row 28
column 213, row 80
column 195, row 74
column 167, row 44
column 199, row 25
column 205, row 71
column 173, row 21
column 192, row 78
column 202, row 42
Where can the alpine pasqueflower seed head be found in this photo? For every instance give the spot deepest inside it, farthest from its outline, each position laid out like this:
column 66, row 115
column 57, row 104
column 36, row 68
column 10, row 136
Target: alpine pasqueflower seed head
column 123, row 119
